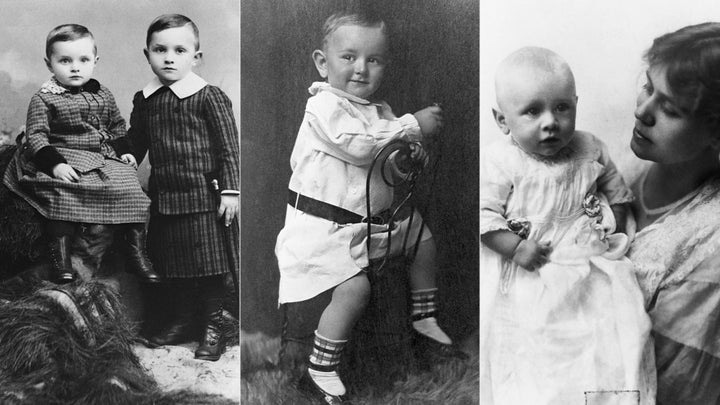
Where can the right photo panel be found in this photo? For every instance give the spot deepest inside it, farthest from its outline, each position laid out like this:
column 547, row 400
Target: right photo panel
column 599, row 197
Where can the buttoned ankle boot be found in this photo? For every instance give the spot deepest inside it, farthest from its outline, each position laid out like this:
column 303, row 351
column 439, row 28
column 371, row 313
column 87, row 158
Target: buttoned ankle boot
column 212, row 344
column 180, row 330
column 59, row 252
column 138, row 262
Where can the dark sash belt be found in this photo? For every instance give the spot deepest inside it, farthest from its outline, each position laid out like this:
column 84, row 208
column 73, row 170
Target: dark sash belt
column 331, row 212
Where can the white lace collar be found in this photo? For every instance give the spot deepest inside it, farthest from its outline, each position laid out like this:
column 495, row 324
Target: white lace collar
column 183, row 88
column 52, row 86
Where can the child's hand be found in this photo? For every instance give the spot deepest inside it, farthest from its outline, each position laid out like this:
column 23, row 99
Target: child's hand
column 129, row 159
column 430, row 120
column 65, row 172
column 418, row 153
column 531, row 255
column 228, row 208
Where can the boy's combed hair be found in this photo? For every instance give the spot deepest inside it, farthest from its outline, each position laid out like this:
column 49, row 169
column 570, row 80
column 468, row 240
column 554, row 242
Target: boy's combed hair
column 343, row 18
column 167, row 21
column 691, row 56
column 66, row 32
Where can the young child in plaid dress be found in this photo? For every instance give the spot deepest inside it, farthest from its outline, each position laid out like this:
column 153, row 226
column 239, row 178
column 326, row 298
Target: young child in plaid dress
column 75, row 166
column 340, row 134
column 189, row 130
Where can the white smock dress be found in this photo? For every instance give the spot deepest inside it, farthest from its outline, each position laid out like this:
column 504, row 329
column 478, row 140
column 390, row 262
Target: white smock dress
column 574, row 331
column 335, row 146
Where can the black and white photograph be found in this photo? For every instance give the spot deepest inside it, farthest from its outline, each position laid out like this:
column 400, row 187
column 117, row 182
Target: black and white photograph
column 119, row 237
column 359, row 244
column 492, row 202
column 599, row 200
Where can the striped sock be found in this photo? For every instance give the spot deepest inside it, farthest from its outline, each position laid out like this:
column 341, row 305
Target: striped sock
column 423, row 302
column 324, row 360
column 423, row 314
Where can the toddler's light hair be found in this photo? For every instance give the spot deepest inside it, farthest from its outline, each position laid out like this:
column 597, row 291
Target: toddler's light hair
column 344, row 18
column 67, row 32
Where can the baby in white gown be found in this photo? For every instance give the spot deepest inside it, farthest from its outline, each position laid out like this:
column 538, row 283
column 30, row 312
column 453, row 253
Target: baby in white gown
column 561, row 318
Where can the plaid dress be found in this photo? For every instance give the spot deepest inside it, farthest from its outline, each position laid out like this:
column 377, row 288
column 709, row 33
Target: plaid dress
column 190, row 133
column 84, row 126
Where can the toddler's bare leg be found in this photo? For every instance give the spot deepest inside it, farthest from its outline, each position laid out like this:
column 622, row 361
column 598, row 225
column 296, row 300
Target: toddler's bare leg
column 349, row 300
column 336, row 322
column 424, row 267
column 423, row 289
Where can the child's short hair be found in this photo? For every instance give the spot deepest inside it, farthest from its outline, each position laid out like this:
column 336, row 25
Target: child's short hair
column 691, row 56
column 67, row 32
column 167, row 21
column 360, row 18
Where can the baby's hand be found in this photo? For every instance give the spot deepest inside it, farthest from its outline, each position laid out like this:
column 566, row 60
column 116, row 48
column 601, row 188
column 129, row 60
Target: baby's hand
column 228, row 207
column 430, row 120
column 65, row 172
column 129, row 159
column 531, row 255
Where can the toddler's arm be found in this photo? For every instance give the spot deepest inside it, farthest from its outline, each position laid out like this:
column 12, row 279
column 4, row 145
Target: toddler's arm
column 528, row 254
column 116, row 128
column 45, row 156
column 343, row 132
column 225, row 140
column 137, row 138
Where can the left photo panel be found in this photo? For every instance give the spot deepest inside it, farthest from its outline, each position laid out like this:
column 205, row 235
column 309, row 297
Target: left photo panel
column 119, row 209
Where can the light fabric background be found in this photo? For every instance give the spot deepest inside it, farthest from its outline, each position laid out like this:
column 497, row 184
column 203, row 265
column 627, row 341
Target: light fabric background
column 119, row 28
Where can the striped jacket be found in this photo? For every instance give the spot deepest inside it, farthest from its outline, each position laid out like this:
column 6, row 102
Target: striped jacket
column 190, row 132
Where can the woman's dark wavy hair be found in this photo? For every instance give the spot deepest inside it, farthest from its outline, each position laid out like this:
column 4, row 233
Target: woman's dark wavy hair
column 691, row 56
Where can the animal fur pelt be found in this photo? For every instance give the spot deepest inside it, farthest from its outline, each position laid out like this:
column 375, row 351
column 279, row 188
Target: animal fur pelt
column 66, row 345
column 72, row 344
column 21, row 241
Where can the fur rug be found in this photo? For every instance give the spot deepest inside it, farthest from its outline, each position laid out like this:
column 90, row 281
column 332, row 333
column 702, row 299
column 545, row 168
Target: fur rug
column 21, row 240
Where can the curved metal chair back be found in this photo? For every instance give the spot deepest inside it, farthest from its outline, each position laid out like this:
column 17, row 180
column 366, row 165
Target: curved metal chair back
column 386, row 161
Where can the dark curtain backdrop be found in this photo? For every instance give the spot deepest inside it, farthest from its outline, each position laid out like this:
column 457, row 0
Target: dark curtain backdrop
column 435, row 59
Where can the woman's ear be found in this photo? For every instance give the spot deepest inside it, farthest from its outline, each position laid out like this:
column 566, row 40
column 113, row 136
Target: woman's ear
column 49, row 66
column 501, row 121
column 320, row 63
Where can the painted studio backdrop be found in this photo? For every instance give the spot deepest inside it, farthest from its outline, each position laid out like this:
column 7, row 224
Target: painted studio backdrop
column 119, row 29
column 435, row 59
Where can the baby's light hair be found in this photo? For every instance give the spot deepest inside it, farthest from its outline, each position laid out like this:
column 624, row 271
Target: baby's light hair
column 531, row 57
column 167, row 21
column 67, row 32
column 359, row 18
